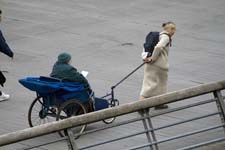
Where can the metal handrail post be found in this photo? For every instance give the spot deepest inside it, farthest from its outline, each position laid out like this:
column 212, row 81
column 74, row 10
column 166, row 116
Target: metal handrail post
column 151, row 127
column 71, row 141
column 220, row 105
column 142, row 113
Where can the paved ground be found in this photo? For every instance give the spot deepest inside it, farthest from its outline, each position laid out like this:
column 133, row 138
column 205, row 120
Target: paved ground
column 105, row 38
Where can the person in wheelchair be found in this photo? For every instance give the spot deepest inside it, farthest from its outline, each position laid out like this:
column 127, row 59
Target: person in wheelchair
column 63, row 70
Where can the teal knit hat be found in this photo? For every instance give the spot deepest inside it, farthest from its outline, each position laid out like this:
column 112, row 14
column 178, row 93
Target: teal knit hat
column 64, row 57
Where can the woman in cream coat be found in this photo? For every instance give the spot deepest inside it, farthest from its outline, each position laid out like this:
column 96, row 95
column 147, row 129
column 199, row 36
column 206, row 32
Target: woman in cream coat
column 157, row 66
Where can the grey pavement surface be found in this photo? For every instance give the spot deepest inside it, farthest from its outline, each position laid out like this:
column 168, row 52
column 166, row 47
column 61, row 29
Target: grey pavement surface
column 105, row 38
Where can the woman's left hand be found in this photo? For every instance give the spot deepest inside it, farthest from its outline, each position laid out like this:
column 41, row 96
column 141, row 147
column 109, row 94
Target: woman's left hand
column 148, row 60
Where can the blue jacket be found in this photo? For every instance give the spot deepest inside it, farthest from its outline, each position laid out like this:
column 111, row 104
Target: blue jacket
column 4, row 48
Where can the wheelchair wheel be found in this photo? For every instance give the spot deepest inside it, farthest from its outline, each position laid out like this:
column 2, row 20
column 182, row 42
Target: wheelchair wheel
column 39, row 114
column 113, row 103
column 108, row 121
column 69, row 109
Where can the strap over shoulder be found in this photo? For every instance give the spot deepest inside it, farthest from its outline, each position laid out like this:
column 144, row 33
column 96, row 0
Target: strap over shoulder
column 170, row 39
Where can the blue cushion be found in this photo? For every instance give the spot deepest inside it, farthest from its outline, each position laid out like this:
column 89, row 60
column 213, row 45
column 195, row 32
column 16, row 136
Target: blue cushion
column 101, row 104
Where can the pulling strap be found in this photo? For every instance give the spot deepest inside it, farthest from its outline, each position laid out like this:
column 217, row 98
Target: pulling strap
column 113, row 87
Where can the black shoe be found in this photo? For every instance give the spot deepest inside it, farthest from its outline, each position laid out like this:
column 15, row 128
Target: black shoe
column 161, row 106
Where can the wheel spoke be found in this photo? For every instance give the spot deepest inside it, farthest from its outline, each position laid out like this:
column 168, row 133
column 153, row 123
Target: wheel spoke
column 39, row 122
column 37, row 109
column 36, row 119
column 39, row 103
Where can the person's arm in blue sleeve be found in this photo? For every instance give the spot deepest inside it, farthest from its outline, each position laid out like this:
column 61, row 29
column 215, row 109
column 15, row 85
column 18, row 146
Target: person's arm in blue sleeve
column 4, row 48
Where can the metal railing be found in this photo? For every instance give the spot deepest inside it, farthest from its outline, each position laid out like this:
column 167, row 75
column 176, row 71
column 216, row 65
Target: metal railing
column 142, row 107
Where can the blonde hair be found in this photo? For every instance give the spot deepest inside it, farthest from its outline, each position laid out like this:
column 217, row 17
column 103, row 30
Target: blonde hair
column 164, row 25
